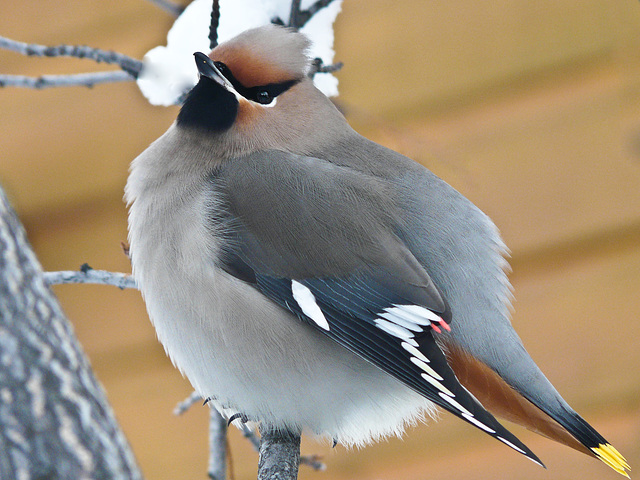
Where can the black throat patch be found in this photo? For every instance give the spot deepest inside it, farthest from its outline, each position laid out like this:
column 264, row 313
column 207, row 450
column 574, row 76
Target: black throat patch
column 208, row 106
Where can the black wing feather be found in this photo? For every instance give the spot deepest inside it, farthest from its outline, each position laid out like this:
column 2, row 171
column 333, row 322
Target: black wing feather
column 340, row 246
column 351, row 306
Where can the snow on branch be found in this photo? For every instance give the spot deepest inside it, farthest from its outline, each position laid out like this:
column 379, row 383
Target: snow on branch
column 169, row 72
column 126, row 63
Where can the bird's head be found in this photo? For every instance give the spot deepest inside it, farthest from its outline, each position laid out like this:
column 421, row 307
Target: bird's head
column 254, row 93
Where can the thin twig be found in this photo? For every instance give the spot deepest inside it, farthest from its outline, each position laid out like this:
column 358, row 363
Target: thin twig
column 126, row 63
column 296, row 15
column 120, row 280
column 213, row 26
column 313, row 461
column 317, row 6
column 250, row 435
column 170, row 7
column 217, row 469
column 77, row 80
column 298, row 18
column 319, row 67
column 187, row 403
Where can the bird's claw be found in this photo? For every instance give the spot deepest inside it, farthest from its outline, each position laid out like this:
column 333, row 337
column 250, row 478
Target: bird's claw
column 241, row 416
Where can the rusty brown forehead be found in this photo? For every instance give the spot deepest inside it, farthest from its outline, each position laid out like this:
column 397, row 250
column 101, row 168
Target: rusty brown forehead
column 250, row 69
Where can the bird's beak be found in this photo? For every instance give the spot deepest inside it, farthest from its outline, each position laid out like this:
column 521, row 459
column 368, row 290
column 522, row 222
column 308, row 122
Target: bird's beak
column 207, row 68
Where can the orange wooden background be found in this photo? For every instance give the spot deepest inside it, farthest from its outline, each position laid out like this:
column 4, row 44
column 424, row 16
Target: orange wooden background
column 530, row 108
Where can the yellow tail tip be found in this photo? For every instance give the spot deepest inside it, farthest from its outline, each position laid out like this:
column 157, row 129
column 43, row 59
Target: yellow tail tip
column 609, row 455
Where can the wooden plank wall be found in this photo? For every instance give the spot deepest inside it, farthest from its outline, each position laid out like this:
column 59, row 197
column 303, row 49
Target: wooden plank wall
column 530, row 108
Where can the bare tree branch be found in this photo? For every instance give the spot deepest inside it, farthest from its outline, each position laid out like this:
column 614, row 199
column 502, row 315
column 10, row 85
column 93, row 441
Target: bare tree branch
column 298, row 18
column 279, row 454
column 187, row 403
column 313, row 461
column 170, row 7
column 213, row 26
column 250, row 435
column 87, row 275
column 295, row 15
column 319, row 67
column 130, row 65
column 77, row 80
column 316, row 7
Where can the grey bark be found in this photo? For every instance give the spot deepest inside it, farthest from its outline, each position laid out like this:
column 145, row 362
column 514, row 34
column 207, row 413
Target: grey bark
column 88, row 80
column 217, row 469
column 279, row 455
column 130, row 65
column 55, row 422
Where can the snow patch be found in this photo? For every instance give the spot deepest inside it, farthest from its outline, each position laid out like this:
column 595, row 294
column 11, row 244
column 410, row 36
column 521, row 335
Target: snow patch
column 169, row 70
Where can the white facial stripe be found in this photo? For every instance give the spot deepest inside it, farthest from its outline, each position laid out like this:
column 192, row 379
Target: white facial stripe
column 222, row 81
column 455, row 404
column 307, row 302
column 426, row 368
column 397, row 319
column 414, row 351
column 268, row 105
column 507, row 442
column 478, row 423
column 437, row 384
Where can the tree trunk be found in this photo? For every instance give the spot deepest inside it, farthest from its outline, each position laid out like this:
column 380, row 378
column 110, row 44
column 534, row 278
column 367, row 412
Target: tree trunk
column 55, row 422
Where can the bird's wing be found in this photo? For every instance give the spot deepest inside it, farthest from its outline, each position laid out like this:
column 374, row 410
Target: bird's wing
column 319, row 240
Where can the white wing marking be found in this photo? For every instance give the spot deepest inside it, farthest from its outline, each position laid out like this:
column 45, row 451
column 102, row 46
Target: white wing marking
column 308, row 305
column 426, row 368
column 414, row 351
column 437, row 384
column 478, row 424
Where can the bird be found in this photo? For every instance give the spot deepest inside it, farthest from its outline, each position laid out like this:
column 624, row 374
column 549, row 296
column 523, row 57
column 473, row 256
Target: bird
column 312, row 280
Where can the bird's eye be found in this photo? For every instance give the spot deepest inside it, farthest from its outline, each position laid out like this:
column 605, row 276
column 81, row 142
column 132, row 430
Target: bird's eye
column 221, row 67
column 264, row 97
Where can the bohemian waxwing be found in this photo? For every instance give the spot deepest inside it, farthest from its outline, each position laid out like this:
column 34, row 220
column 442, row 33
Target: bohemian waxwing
column 313, row 280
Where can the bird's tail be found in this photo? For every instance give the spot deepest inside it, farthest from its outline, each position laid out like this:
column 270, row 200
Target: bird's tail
column 541, row 410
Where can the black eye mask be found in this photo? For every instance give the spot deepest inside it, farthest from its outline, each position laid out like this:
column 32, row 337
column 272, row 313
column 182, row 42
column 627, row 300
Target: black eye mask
column 263, row 94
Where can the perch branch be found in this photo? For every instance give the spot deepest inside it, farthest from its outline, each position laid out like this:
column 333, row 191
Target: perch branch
column 126, row 63
column 313, row 461
column 78, row 80
column 279, row 454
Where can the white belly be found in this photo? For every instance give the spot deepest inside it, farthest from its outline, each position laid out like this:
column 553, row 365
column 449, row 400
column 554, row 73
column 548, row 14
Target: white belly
column 252, row 356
